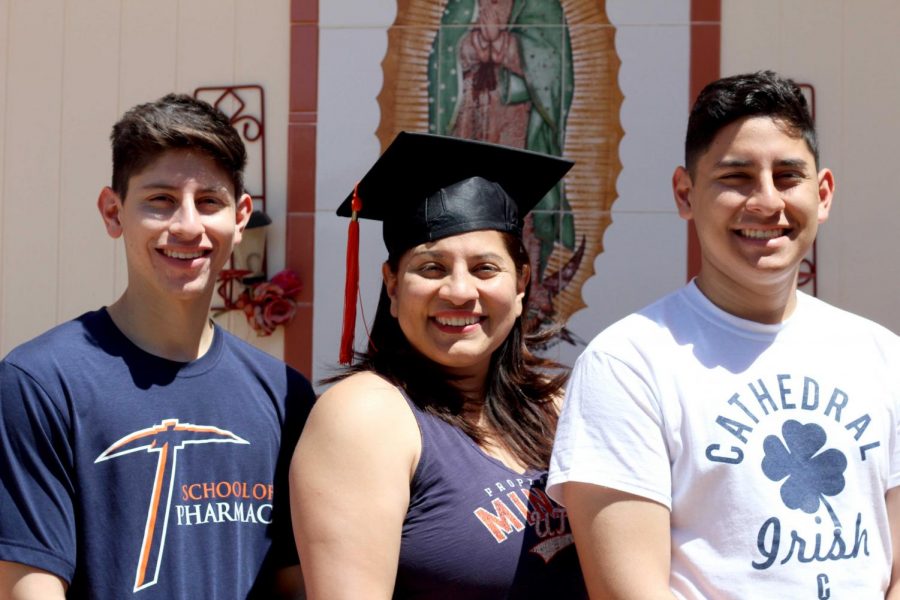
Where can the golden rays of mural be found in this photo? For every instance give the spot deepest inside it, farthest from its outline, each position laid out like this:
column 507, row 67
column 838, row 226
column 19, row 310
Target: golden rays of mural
column 535, row 74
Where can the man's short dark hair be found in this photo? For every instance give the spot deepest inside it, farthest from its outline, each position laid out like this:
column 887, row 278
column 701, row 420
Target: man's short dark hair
column 764, row 94
column 175, row 122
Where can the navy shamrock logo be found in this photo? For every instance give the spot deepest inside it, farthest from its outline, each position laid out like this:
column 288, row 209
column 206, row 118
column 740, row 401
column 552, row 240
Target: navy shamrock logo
column 809, row 474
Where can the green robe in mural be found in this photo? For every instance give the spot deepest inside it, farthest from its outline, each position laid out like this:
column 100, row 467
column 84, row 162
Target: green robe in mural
column 546, row 81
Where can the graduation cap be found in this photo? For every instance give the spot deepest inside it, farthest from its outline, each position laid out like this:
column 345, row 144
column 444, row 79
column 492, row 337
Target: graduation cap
column 427, row 187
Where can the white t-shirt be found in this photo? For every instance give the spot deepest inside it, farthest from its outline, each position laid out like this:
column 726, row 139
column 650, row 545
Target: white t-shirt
column 772, row 445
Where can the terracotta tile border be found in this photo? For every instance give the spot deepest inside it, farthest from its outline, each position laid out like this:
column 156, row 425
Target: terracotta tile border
column 301, row 184
column 706, row 30
column 305, row 11
column 298, row 351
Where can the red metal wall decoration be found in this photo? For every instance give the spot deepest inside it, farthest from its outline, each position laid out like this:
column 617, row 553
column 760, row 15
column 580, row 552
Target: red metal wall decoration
column 244, row 105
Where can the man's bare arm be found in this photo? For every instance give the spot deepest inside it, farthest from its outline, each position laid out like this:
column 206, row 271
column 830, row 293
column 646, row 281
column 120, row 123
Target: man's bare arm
column 21, row 582
column 623, row 541
column 892, row 499
column 289, row 583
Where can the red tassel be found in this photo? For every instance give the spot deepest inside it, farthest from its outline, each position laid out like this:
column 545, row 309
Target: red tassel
column 351, row 283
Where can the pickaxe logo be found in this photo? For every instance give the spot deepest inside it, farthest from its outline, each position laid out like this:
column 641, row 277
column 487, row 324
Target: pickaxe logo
column 166, row 439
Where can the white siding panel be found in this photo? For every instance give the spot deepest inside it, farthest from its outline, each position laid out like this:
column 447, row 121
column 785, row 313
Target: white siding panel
column 31, row 197
column 751, row 36
column 68, row 70
column 847, row 50
column 147, row 49
column 205, row 43
column 258, row 22
column 90, row 107
column 867, row 207
column 268, row 65
column 814, row 53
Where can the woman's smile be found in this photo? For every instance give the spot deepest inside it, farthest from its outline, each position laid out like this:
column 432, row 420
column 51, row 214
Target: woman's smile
column 457, row 299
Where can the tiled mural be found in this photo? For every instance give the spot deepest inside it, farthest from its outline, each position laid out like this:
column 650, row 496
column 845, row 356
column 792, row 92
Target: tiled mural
column 602, row 82
column 534, row 74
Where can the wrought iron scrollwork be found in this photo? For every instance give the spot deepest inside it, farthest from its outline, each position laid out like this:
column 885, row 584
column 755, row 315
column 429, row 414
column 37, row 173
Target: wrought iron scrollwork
column 244, row 105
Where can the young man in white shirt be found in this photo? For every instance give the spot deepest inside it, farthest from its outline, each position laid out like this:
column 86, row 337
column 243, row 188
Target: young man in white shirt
column 737, row 438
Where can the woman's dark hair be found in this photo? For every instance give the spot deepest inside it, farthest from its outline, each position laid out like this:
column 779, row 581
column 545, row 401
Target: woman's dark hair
column 521, row 387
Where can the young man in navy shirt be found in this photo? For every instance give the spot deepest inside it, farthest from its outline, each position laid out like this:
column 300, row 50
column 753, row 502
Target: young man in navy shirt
column 145, row 449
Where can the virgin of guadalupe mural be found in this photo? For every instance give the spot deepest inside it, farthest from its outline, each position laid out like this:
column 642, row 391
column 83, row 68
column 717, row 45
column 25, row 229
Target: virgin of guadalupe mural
column 535, row 74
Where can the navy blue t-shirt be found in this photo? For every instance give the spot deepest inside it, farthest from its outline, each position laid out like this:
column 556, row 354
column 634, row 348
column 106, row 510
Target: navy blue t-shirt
column 124, row 473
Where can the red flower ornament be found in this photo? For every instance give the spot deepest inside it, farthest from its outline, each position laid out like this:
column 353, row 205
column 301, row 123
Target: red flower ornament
column 268, row 304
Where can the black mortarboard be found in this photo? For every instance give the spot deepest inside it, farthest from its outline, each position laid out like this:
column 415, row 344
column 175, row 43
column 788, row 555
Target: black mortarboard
column 427, row 187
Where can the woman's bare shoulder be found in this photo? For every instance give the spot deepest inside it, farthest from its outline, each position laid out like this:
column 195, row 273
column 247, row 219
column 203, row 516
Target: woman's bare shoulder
column 363, row 402
column 363, row 390
column 361, row 423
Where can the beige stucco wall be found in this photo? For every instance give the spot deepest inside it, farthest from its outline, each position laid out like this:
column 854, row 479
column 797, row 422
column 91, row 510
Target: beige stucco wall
column 68, row 70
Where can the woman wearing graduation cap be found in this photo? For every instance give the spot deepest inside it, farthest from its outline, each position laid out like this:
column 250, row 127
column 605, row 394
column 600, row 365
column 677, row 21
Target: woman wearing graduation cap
column 420, row 473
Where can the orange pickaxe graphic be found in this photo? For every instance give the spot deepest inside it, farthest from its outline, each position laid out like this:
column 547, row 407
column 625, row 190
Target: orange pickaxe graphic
column 166, row 439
